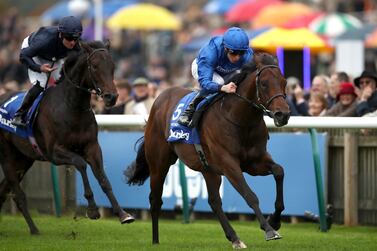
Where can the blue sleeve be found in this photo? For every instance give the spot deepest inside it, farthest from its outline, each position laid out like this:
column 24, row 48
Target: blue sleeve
column 207, row 61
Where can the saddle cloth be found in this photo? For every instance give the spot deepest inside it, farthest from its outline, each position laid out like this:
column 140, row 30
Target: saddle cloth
column 9, row 108
column 180, row 133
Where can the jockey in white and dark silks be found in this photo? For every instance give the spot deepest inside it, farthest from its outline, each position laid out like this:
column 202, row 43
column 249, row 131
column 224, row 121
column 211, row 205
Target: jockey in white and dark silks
column 43, row 53
column 217, row 60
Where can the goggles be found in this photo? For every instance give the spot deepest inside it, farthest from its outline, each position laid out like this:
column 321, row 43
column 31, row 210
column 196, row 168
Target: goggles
column 236, row 52
column 71, row 37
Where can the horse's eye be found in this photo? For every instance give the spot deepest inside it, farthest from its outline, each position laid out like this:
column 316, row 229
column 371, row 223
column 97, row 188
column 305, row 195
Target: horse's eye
column 264, row 84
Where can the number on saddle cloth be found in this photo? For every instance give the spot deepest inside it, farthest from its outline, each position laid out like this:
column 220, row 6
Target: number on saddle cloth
column 184, row 134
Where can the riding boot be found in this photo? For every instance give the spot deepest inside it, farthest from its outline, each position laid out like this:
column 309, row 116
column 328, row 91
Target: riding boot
column 20, row 115
column 186, row 116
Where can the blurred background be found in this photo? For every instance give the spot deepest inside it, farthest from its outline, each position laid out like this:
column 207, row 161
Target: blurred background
column 319, row 43
column 160, row 40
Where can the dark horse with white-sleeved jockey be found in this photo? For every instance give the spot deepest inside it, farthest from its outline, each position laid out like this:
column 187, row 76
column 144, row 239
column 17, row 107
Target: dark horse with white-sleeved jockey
column 65, row 130
column 233, row 136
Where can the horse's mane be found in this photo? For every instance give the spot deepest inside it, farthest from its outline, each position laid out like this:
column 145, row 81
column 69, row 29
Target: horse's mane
column 258, row 58
column 74, row 56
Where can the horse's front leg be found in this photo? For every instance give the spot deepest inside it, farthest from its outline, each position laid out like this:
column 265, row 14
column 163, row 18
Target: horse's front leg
column 213, row 182
column 266, row 168
column 61, row 156
column 236, row 178
column 94, row 158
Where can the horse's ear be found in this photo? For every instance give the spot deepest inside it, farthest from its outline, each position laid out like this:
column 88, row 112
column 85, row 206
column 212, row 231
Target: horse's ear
column 276, row 60
column 86, row 47
column 107, row 44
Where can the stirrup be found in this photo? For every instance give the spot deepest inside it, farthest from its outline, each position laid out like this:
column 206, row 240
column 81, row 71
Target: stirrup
column 184, row 120
column 18, row 121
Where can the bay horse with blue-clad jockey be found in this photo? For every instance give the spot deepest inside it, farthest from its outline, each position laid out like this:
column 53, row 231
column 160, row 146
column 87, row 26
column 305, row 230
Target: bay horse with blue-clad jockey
column 233, row 136
column 65, row 130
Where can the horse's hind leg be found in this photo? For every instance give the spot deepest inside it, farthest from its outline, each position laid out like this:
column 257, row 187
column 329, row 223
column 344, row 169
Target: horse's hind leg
column 14, row 168
column 94, row 158
column 213, row 182
column 159, row 160
column 4, row 190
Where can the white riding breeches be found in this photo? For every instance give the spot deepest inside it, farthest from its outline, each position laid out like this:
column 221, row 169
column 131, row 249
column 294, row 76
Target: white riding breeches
column 215, row 78
column 41, row 77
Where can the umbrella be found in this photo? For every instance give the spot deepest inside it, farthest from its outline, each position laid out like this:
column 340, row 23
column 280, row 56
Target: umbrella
column 60, row 9
column 301, row 21
column 334, row 24
column 144, row 16
column 357, row 33
column 291, row 39
column 371, row 40
column 244, row 11
column 197, row 43
column 219, row 6
column 278, row 14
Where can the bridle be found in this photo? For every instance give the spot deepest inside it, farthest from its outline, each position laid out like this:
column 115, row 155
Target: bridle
column 95, row 89
column 258, row 104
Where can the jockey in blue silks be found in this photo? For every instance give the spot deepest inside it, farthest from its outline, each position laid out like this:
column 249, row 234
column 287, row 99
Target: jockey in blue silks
column 221, row 57
column 43, row 53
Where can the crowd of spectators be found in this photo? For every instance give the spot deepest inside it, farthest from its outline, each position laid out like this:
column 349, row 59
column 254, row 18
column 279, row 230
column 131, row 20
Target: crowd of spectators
column 149, row 62
column 335, row 96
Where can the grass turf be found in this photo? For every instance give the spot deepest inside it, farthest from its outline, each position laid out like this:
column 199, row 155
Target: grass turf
column 66, row 233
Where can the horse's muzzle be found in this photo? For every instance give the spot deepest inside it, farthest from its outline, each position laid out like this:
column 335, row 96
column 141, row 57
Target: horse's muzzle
column 281, row 118
column 110, row 99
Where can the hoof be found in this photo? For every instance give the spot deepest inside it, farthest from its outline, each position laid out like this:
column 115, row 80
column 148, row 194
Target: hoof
column 34, row 232
column 93, row 213
column 272, row 235
column 238, row 244
column 126, row 218
column 273, row 223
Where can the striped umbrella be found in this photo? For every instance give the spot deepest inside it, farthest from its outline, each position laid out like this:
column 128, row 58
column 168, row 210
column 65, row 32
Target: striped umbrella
column 371, row 41
column 334, row 24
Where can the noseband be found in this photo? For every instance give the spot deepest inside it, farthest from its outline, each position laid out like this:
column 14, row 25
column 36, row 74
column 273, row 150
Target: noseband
column 95, row 90
column 259, row 105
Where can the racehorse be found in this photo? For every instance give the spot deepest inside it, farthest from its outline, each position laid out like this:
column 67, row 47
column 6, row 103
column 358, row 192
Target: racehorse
column 65, row 129
column 233, row 136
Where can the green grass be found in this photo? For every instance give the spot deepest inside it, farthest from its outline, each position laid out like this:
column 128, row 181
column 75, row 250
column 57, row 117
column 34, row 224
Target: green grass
column 65, row 233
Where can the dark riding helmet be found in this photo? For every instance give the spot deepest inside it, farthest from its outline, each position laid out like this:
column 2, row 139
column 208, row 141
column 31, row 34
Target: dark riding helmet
column 70, row 27
column 236, row 39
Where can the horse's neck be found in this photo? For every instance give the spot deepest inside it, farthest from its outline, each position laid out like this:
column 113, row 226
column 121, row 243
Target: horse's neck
column 76, row 99
column 239, row 112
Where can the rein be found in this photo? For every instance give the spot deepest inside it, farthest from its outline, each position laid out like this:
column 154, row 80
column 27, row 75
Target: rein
column 96, row 90
column 259, row 105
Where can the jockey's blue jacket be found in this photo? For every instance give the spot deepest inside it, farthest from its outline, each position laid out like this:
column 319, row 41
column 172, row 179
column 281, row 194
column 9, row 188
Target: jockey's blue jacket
column 44, row 43
column 213, row 58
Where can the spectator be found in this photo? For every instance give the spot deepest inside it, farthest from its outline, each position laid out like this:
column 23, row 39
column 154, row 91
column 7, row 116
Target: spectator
column 141, row 102
column 317, row 104
column 319, row 86
column 346, row 102
column 336, row 79
column 368, row 94
column 292, row 83
column 124, row 91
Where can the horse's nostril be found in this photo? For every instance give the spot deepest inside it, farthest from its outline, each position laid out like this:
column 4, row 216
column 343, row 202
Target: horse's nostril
column 110, row 98
column 278, row 115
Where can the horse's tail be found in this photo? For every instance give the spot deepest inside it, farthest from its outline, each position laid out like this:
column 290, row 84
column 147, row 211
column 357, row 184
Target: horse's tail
column 138, row 171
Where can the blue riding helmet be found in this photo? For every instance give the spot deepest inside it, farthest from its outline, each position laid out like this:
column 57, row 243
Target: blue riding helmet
column 70, row 26
column 236, row 39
